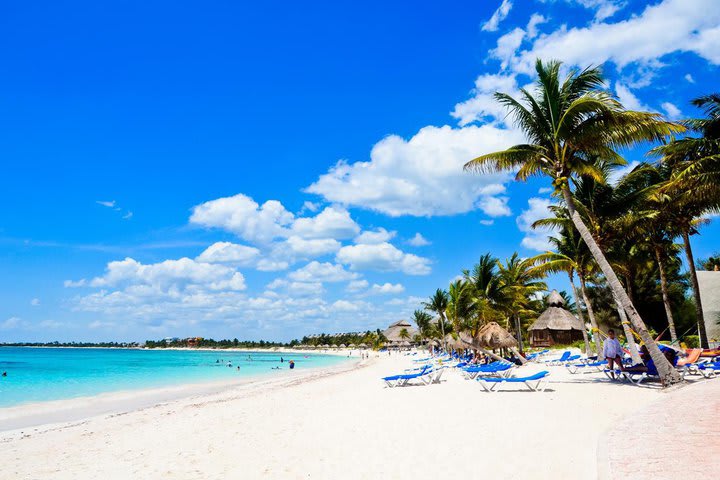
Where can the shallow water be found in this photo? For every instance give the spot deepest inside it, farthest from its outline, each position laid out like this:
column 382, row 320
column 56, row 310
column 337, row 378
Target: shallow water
column 41, row 374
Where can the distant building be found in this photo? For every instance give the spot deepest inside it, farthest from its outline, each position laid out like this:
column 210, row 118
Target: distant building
column 555, row 325
column 709, row 283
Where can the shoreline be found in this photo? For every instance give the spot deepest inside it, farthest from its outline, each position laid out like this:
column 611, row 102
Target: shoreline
column 44, row 415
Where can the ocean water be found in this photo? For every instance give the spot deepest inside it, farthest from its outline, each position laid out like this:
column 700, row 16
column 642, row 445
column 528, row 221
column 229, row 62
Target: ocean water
column 41, row 374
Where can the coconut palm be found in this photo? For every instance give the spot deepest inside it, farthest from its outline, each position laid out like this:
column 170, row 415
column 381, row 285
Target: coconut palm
column 571, row 123
column 573, row 258
column 438, row 304
column 423, row 320
column 521, row 282
column 460, row 307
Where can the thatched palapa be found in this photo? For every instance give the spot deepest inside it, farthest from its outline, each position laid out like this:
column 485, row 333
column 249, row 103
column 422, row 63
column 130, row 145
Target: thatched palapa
column 494, row 336
column 393, row 332
column 555, row 325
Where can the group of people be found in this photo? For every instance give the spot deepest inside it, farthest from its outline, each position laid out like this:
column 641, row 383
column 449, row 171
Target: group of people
column 613, row 353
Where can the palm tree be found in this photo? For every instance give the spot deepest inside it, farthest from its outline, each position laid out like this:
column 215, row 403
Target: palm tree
column 695, row 185
column 423, row 320
column 438, row 303
column 573, row 258
column 521, row 282
column 459, row 308
column 570, row 124
column 404, row 334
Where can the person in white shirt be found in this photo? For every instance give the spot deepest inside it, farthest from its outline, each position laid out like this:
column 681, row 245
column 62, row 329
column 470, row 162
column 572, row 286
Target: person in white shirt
column 612, row 350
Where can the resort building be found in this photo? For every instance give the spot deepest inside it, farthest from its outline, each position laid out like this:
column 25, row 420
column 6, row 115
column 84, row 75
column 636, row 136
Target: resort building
column 709, row 283
column 555, row 325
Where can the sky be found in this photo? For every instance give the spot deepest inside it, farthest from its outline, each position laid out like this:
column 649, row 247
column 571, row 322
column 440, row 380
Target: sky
column 274, row 169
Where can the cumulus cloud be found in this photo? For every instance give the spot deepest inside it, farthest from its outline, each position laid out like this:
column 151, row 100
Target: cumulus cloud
column 332, row 222
column 671, row 111
column 662, row 28
column 689, row 78
column 535, row 239
column 482, row 105
column 628, row 98
column 357, row 286
column 375, row 236
column 168, row 276
column 418, row 241
column 387, row 288
column 322, row 272
column 299, row 247
column 500, row 14
column 243, row 216
column 422, row 176
column 230, row 254
column 12, row 323
column 35, row 302
column 382, row 257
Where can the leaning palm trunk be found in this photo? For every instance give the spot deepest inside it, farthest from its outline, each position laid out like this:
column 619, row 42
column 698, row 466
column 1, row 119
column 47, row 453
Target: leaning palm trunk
column 582, row 318
column 519, row 332
column 668, row 374
column 666, row 297
column 632, row 346
column 442, row 331
column 591, row 314
column 696, row 291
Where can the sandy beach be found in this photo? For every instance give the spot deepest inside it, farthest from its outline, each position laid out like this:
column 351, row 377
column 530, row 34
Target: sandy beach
column 340, row 423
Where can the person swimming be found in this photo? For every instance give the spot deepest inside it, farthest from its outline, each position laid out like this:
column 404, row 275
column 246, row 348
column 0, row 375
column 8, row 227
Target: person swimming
column 281, row 360
column 4, row 374
column 292, row 364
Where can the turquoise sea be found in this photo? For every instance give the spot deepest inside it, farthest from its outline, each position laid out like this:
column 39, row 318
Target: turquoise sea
column 41, row 374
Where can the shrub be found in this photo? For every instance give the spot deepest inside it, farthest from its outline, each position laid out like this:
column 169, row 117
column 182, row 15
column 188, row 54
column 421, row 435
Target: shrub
column 692, row 341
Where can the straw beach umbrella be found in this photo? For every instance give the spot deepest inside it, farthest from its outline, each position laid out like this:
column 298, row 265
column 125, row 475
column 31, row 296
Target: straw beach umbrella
column 491, row 336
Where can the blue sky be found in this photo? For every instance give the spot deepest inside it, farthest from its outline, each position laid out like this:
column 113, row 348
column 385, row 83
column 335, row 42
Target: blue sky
column 266, row 171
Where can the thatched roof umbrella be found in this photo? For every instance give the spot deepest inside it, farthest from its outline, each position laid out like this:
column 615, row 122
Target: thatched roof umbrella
column 342, row 345
column 362, row 345
column 492, row 336
column 392, row 333
column 326, row 346
column 453, row 342
column 352, row 345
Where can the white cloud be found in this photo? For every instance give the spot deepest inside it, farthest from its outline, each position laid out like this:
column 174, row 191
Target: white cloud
column 128, row 215
column 266, row 265
column 422, row 176
column 169, row 276
column 482, row 105
column 387, row 288
column 377, row 236
column 382, row 257
column 500, row 14
column 345, row 306
column 310, row 206
column 322, row 272
column 299, row 247
column 603, row 8
column 418, row 241
column 487, row 222
column 106, row 203
column 12, row 323
column 535, row 20
column 495, row 206
column 545, row 190
column 243, row 216
column 671, row 110
column 628, row 98
column 35, row 302
column 332, row 222
column 662, row 28
column 357, row 286
column 507, row 45
column 230, row 254
column 535, row 239
column 689, row 78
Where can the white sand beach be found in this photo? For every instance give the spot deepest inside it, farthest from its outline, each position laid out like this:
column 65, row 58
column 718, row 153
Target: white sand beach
column 340, row 423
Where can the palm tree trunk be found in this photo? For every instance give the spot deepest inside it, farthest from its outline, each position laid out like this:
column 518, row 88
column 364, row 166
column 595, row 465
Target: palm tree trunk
column 591, row 314
column 696, row 291
column 668, row 374
column 632, row 346
column 442, row 330
column 666, row 297
column 580, row 314
column 519, row 333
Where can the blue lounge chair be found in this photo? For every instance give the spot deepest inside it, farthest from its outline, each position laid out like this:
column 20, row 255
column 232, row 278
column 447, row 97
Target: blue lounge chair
column 424, row 375
column 708, row 369
column 494, row 369
column 585, row 367
column 536, row 383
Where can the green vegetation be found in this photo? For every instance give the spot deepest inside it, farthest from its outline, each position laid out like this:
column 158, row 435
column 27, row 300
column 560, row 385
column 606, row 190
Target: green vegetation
column 617, row 237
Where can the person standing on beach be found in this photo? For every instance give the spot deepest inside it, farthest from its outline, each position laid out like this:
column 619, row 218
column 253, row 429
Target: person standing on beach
column 612, row 350
column 292, row 364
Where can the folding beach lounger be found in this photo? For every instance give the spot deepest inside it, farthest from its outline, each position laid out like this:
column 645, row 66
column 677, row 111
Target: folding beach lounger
column 494, row 369
column 425, row 376
column 592, row 367
column 536, row 383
